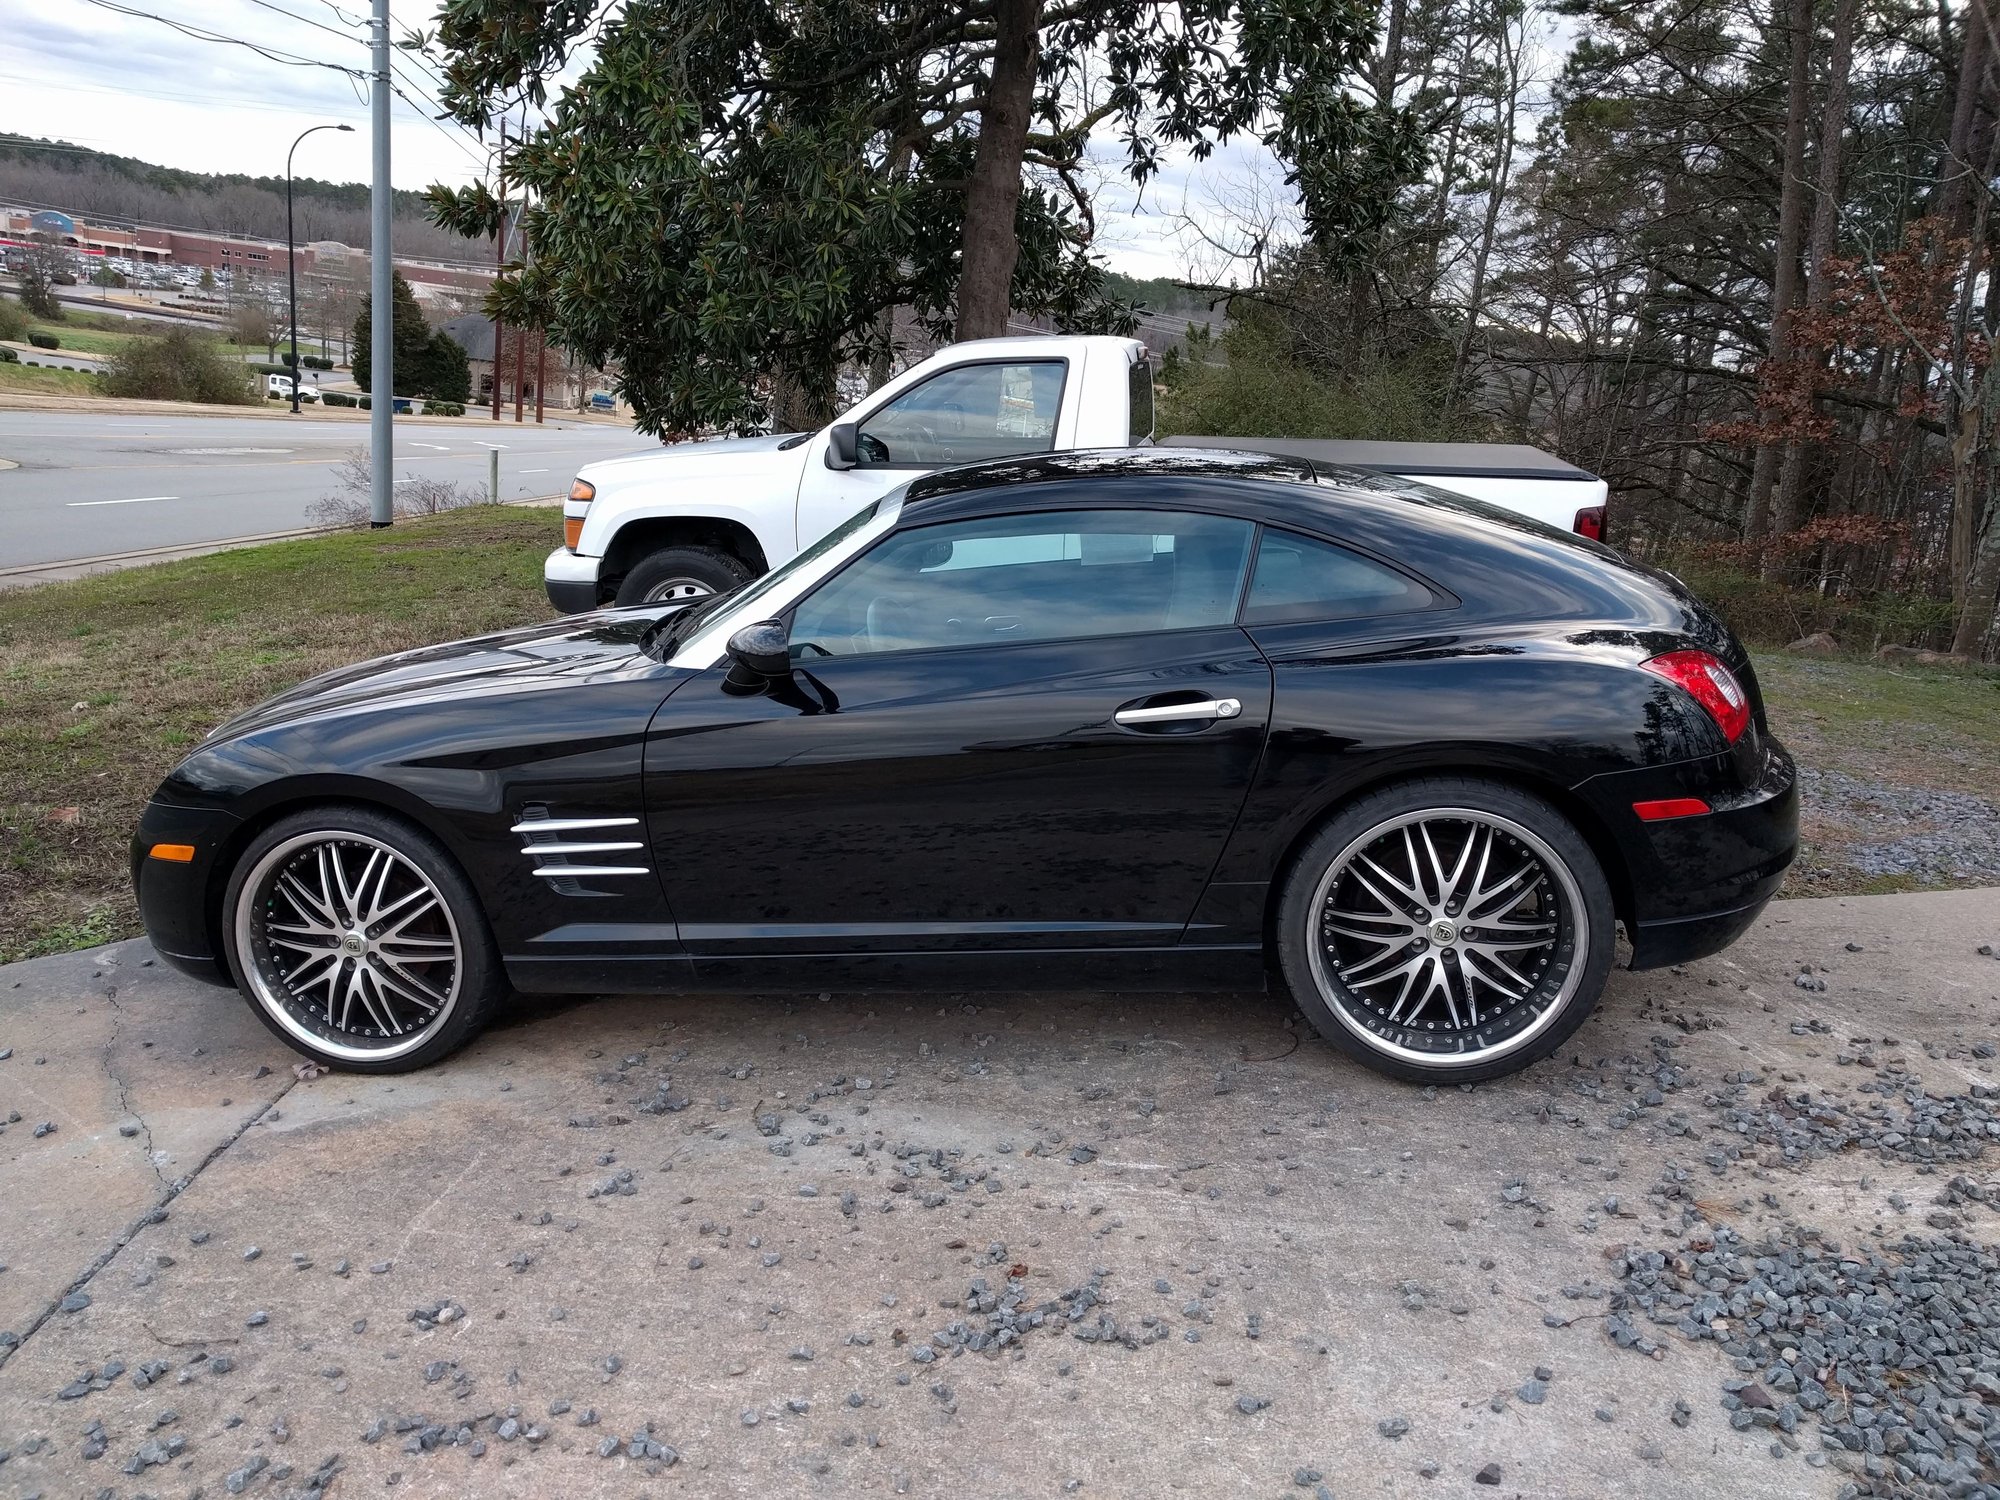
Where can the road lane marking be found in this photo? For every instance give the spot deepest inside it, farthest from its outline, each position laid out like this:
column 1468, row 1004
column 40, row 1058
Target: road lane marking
column 135, row 500
column 532, row 471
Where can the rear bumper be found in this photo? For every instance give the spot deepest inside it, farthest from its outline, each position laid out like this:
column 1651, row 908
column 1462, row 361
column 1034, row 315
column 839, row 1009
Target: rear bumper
column 571, row 581
column 1697, row 884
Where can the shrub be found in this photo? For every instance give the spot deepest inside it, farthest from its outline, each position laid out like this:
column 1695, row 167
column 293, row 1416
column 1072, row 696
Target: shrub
column 179, row 365
column 335, row 398
column 443, row 409
column 265, row 367
column 416, row 496
column 13, row 320
column 9, row 357
column 275, row 395
column 315, row 361
column 45, row 341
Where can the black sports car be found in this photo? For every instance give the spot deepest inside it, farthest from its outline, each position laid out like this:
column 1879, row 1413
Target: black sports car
column 1130, row 719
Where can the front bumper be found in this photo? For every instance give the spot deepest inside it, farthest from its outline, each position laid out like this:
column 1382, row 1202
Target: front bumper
column 1697, row 884
column 571, row 581
column 175, row 898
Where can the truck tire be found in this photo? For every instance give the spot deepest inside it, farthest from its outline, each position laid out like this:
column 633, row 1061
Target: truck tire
column 681, row 575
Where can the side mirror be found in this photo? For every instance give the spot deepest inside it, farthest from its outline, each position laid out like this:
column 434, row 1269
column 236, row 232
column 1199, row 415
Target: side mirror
column 842, row 446
column 759, row 654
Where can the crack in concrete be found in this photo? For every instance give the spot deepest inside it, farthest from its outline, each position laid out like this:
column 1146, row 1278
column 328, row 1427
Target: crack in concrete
column 151, row 1216
column 125, row 1108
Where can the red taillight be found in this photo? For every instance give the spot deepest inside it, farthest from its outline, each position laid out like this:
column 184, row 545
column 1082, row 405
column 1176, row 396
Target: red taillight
column 1669, row 807
column 1711, row 684
column 1589, row 523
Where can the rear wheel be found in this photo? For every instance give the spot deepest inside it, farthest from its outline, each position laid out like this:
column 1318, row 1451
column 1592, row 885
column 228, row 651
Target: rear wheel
column 1446, row 930
column 358, row 942
column 681, row 575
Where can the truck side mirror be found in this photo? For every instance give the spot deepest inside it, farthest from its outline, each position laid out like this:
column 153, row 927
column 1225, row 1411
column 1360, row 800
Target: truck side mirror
column 842, row 446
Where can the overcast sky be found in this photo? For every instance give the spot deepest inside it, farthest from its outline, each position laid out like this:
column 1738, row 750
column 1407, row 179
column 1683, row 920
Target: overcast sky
column 74, row 71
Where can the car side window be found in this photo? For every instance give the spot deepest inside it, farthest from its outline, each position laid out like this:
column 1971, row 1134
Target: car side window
column 959, row 416
column 1302, row 578
column 1057, row 575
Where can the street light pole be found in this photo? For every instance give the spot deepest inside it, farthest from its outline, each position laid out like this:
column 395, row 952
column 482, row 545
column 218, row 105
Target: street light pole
column 291, row 259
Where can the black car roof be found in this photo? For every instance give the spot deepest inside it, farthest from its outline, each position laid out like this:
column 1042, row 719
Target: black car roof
column 1099, row 463
column 1495, row 560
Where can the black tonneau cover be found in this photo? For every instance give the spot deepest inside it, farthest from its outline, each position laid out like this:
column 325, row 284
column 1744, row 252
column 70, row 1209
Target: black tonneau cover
column 1443, row 460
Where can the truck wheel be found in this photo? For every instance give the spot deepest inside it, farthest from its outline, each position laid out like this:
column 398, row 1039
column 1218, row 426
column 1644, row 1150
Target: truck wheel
column 681, row 575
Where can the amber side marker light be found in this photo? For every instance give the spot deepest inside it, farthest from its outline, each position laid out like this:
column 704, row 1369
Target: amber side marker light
column 1670, row 807
column 581, row 493
column 179, row 854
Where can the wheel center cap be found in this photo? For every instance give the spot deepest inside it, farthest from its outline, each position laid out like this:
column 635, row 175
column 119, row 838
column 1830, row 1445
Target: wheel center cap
column 1443, row 932
column 354, row 942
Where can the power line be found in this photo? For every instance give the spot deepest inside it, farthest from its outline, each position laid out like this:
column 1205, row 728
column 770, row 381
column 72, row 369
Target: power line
column 199, row 34
column 308, row 21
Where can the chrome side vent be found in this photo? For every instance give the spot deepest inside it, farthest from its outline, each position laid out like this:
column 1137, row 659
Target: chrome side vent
column 565, row 848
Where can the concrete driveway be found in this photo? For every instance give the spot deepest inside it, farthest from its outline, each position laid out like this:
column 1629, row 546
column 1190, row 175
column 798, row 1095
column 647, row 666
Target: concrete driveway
column 750, row 1246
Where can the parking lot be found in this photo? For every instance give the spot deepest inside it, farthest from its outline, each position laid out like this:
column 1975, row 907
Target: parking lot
column 1000, row 1245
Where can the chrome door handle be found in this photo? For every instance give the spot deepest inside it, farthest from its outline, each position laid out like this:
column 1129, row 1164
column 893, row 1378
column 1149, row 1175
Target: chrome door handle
column 1169, row 713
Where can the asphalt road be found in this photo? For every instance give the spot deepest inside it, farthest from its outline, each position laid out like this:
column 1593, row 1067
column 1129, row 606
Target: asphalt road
column 87, row 485
column 760, row 1280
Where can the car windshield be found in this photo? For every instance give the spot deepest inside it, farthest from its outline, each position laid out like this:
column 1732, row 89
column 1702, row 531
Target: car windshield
column 681, row 628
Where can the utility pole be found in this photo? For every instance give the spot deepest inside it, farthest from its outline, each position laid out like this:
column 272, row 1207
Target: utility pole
column 382, row 293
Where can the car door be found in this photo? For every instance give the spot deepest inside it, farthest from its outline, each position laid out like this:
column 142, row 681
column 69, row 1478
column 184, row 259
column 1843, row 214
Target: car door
column 984, row 409
column 1013, row 733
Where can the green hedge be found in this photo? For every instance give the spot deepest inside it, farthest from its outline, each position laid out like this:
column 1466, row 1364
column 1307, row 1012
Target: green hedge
column 443, row 409
column 44, row 341
column 9, row 357
column 315, row 361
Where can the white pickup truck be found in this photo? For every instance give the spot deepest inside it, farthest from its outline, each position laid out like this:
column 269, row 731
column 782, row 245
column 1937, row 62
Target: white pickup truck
column 700, row 517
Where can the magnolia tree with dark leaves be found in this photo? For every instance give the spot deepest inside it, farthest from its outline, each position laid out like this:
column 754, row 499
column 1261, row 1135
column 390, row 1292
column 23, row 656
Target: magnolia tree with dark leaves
column 734, row 195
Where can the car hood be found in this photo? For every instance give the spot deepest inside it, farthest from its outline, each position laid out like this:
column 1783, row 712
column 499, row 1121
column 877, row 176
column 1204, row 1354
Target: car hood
column 607, row 645
column 732, row 456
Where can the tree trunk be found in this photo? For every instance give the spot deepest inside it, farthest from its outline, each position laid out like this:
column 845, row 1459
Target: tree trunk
column 1503, row 169
column 1820, row 247
column 986, row 264
column 799, row 404
column 1791, row 237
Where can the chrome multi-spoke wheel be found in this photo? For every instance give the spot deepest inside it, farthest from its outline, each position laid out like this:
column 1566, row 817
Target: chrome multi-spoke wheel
column 358, row 941
column 351, row 945
column 1447, row 937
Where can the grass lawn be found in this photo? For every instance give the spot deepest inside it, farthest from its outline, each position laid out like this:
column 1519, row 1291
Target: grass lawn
column 105, row 681
column 42, row 381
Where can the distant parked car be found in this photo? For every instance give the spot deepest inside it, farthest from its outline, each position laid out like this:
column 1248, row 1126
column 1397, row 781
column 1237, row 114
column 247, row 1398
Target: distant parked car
column 281, row 385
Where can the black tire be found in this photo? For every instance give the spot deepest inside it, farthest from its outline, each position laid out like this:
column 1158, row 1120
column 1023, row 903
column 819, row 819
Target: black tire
column 253, row 902
column 652, row 579
column 1318, row 955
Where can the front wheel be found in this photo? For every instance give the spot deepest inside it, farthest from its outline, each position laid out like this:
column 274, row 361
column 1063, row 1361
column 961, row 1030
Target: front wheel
column 358, row 941
column 1447, row 930
column 681, row 575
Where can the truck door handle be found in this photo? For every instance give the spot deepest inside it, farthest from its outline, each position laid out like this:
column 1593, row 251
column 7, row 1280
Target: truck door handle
column 1174, row 713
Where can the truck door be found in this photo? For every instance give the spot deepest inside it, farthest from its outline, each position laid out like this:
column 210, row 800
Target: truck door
column 992, row 408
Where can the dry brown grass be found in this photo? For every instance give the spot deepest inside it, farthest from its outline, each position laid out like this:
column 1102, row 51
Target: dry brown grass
column 104, row 682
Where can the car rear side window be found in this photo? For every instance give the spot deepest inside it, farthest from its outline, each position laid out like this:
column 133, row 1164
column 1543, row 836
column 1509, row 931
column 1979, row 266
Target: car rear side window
column 1057, row 575
column 1302, row 578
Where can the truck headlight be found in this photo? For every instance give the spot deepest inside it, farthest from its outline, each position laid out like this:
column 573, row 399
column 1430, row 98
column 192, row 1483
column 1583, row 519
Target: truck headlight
column 581, row 493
